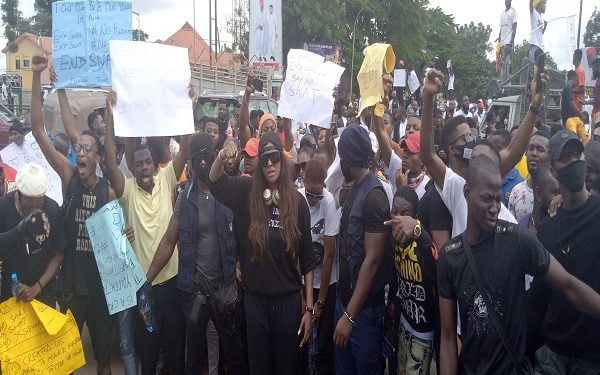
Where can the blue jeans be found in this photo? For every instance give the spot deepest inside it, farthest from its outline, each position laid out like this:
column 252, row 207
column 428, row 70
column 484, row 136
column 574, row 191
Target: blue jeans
column 125, row 323
column 362, row 354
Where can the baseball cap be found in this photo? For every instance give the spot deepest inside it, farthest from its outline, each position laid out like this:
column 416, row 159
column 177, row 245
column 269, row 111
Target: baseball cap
column 412, row 143
column 32, row 181
column 251, row 148
column 560, row 140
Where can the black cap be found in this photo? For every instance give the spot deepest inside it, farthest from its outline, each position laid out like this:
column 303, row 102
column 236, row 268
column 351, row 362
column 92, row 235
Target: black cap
column 560, row 140
column 266, row 138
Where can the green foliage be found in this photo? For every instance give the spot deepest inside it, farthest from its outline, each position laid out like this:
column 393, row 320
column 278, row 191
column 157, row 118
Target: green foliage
column 591, row 38
column 11, row 17
column 238, row 26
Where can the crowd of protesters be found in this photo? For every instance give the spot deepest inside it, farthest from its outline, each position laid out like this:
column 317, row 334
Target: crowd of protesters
column 400, row 239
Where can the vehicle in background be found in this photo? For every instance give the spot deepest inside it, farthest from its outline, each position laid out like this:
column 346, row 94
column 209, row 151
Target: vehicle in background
column 82, row 101
column 208, row 102
column 7, row 118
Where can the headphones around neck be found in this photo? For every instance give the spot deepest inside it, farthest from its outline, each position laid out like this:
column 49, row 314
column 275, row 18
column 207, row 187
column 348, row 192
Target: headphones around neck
column 271, row 197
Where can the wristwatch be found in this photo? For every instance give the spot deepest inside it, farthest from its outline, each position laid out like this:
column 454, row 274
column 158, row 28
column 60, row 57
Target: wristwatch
column 417, row 231
column 310, row 310
column 535, row 110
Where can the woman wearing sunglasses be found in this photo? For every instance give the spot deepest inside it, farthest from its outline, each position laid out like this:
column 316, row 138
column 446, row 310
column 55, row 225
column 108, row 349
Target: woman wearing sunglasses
column 275, row 252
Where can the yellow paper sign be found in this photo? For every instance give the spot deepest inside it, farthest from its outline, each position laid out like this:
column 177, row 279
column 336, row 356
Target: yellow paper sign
column 37, row 339
column 379, row 57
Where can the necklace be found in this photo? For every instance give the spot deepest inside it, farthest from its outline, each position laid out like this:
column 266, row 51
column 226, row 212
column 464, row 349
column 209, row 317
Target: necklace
column 566, row 250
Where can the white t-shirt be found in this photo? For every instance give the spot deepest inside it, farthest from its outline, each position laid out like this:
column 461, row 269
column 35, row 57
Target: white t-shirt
column 537, row 29
column 507, row 20
column 324, row 221
column 454, row 199
column 420, row 190
column 520, row 202
column 459, row 112
column 394, row 165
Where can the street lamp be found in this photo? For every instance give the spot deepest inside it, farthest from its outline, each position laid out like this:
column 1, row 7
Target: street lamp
column 139, row 27
column 353, row 39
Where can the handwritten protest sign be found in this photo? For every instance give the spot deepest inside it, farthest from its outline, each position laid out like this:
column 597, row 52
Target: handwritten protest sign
column 379, row 57
column 17, row 156
column 120, row 271
column 81, row 31
column 151, row 81
column 413, row 82
column 399, row 77
column 307, row 93
column 36, row 339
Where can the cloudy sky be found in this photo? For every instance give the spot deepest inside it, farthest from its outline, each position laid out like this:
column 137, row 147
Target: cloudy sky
column 161, row 18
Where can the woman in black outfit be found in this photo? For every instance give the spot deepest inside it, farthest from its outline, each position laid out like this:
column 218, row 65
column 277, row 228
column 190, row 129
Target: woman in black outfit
column 275, row 252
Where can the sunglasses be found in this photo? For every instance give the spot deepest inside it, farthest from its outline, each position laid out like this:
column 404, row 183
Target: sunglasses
column 203, row 156
column 86, row 148
column 301, row 166
column 467, row 136
column 274, row 157
column 314, row 196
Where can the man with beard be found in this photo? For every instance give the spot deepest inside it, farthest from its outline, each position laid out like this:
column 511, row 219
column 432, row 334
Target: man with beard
column 222, row 119
column 83, row 193
column 521, row 198
column 482, row 271
column 146, row 200
column 592, row 172
column 207, row 257
column 572, row 237
column 464, row 108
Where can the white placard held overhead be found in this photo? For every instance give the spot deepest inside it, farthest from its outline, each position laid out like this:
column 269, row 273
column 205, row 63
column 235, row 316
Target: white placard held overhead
column 151, row 81
column 17, row 156
column 307, row 93
column 413, row 82
column 399, row 77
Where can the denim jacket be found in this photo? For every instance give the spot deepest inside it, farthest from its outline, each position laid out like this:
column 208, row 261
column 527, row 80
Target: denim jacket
column 188, row 238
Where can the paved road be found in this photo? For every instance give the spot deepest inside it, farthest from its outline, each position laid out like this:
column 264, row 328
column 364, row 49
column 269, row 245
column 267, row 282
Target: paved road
column 90, row 367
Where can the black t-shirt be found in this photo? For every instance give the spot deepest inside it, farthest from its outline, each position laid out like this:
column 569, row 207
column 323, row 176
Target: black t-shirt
column 376, row 211
column 31, row 257
column 568, row 331
column 417, row 274
column 503, row 260
column 567, row 110
column 433, row 213
column 277, row 272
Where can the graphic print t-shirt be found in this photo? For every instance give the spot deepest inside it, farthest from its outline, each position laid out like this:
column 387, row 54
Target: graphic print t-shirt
column 503, row 259
column 415, row 264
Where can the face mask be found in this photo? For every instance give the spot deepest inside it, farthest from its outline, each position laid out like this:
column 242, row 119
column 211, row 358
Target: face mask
column 572, row 177
column 465, row 151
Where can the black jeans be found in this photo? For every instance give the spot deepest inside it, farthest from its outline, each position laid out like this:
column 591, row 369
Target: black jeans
column 272, row 326
column 170, row 330
column 227, row 317
column 325, row 357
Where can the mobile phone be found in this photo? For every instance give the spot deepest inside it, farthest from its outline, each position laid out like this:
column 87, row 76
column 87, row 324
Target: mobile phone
column 540, row 62
column 258, row 85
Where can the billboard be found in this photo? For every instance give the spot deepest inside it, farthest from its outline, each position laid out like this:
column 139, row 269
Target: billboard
column 265, row 34
column 331, row 52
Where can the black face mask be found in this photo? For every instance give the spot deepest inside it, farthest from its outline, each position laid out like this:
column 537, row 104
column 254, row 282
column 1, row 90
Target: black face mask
column 465, row 151
column 572, row 177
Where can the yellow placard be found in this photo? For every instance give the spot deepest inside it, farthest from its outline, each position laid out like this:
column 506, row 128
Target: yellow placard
column 379, row 57
column 37, row 339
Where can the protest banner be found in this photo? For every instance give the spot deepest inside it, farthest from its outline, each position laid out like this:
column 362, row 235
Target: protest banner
column 119, row 269
column 307, row 93
column 17, row 156
column 413, row 82
column 81, row 31
column 399, row 77
column 37, row 339
column 151, row 81
column 331, row 52
column 379, row 58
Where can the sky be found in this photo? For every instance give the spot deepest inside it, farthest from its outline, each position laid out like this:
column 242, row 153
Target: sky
column 161, row 18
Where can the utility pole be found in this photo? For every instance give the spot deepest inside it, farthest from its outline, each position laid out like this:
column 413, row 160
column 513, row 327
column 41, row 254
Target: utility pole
column 579, row 28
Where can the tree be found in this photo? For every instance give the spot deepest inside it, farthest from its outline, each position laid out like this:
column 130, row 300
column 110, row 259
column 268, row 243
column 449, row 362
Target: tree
column 238, row 27
column 473, row 69
column 12, row 18
column 139, row 35
column 41, row 22
column 591, row 38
